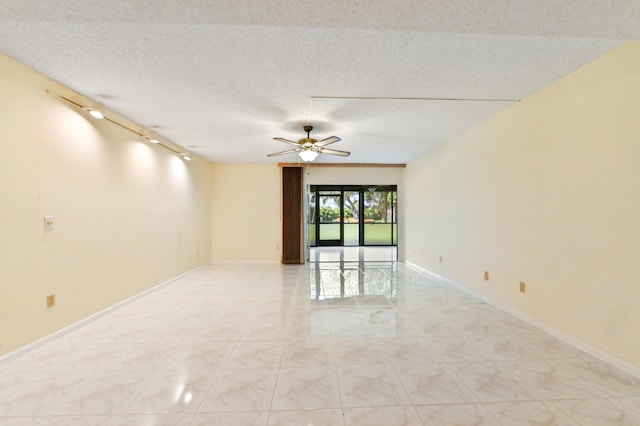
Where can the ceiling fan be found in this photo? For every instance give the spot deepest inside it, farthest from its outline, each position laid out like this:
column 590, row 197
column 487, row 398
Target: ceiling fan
column 309, row 148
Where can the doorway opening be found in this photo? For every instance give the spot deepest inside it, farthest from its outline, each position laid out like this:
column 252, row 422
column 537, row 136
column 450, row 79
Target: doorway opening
column 352, row 216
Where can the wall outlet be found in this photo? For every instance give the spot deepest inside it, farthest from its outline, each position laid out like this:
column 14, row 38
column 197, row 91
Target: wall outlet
column 522, row 286
column 486, row 275
column 51, row 300
column 49, row 221
column 440, row 258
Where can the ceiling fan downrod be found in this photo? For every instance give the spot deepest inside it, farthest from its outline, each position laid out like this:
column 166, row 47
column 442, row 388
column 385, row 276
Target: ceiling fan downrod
column 308, row 129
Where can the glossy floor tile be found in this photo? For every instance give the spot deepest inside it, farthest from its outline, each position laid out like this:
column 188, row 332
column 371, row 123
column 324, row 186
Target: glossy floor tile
column 336, row 342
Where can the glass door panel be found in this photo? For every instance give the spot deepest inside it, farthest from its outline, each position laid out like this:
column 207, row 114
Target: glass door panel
column 379, row 217
column 329, row 214
column 394, row 216
column 312, row 219
column 351, row 218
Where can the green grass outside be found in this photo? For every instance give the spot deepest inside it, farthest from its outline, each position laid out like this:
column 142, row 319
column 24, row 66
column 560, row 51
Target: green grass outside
column 375, row 233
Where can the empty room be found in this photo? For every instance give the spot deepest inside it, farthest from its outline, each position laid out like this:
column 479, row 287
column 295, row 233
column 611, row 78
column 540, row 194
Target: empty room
column 340, row 213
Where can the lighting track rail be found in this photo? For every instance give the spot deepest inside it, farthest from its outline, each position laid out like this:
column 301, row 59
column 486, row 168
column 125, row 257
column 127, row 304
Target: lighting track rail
column 152, row 137
column 397, row 98
column 392, row 98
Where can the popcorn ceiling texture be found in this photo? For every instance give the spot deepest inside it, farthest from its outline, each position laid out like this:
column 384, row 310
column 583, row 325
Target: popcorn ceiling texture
column 224, row 77
column 609, row 19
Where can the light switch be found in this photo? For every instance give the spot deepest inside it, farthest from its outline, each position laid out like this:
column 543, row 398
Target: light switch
column 48, row 222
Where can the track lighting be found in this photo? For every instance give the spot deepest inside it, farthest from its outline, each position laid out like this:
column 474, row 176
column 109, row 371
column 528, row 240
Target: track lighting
column 308, row 155
column 96, row 110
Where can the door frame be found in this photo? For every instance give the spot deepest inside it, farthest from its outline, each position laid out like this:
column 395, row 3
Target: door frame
column 331, row 243
column 361, row 189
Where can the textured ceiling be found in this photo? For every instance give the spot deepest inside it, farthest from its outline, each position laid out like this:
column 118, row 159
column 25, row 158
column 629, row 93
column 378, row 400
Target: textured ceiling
column 222, row 78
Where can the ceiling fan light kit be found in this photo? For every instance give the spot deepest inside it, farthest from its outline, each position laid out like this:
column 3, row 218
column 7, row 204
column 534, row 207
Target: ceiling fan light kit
column 308, row 155
column 309, row 148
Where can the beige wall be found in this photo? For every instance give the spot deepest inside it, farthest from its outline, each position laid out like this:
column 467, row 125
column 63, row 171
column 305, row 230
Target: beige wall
column 245, row 215
column 128, row 215
column 353, row 175
column 246, row 219
column 546, row 192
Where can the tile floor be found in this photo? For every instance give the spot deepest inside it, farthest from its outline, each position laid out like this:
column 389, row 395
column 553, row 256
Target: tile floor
column 360, row 343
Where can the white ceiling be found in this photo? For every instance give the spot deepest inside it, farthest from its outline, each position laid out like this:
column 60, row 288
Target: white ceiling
column 222, row 78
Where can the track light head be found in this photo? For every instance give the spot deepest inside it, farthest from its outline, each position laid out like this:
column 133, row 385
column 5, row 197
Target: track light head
column 96, row 110
column 153, row 137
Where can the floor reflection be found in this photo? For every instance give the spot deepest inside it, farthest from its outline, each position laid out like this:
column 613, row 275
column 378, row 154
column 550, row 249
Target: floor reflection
column 353, row 254
column 343, row 280
column 353, row 299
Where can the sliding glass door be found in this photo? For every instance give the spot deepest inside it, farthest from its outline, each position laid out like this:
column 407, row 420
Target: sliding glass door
column 349, row 215
column 329, row 225
column 380, row 217
column 351, row 218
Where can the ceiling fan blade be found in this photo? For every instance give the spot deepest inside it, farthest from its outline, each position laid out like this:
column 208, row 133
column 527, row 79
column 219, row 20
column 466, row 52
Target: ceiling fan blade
column 334, row 152
column 327, row 141
column 275, row 154
column 287, row 141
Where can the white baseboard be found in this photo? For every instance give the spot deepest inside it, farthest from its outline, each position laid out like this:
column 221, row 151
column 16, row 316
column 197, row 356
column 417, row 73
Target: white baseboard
column 87, row 320
column 603, row 356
